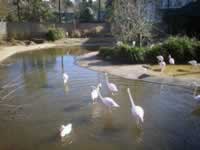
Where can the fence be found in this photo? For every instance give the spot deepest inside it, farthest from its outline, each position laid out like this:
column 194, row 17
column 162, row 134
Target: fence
column 27, row 30
column 3, row 30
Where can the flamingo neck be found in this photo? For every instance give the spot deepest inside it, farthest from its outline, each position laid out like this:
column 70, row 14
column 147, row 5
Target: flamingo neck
column 195, row 91
column 131, row 99
column 107, row 81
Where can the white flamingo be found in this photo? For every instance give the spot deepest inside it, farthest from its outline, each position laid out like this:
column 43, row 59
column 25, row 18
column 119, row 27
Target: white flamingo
column 65, row 130
column 162, row 65
column 160, row 58
column 195, row 96
column 65, row 78
column 171, row 60
column 133, row 43
column 137, row 111
column 193, row 62
column 107, row 101
column 95, row 91
column 119, row 43
column 111, row 86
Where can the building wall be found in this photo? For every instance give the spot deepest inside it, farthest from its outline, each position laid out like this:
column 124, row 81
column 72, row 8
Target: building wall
column 174, row 3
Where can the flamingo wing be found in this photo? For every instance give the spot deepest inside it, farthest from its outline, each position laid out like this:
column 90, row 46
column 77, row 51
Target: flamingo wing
column 171, row 61
column 192, row 62
column 94, row 94
column 160, row 58
column 65, row 130
column 112, row 87
column 197, row 98
column 110, row 102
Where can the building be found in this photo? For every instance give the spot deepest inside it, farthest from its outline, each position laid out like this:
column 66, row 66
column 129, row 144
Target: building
column 182, row 16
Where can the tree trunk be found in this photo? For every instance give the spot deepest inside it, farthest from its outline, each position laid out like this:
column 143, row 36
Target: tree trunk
column 139, row 40
column 99, row 11
column 59, row 7
column 18, row 10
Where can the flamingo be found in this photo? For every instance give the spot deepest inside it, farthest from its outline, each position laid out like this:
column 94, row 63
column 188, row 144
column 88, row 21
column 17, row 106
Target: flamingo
column 119, row 43
column 171, row 60
column 193, row 62
column 107, row 101
column 65, row 130
column 111, row 86
column 195, row 96
column 137, row 111
column 65, row 78
column 162, row 65
column 160, row 58
column 94, row 93
column 133, row 43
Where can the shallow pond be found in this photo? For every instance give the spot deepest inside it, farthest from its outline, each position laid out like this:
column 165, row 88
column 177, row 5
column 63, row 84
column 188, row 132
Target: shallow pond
column 34, row 103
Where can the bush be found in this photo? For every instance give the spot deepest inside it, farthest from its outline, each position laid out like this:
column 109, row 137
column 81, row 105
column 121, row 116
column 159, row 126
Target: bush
column 55, row 34
column 87, row 15
column 123, row 53
column 182, row 49
column 106, row 52
column 76, row 34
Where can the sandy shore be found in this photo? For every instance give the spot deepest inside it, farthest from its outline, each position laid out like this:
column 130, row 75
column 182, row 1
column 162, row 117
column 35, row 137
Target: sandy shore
column 135, row 72
column 7, row 51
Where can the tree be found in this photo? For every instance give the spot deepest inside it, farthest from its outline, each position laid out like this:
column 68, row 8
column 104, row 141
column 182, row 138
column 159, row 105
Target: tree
column 87, row 15
column 3, row 8
column 68, row 3
column 35, row 10
column 129, row 20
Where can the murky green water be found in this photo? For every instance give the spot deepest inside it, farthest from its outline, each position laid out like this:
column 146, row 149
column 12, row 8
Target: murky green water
column 36, row 103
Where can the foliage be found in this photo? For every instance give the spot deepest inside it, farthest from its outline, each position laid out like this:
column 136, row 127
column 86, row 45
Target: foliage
column 3, row 8
column 123, row 53
column 87, row 15
column 55, row 34
column 11, row 17
column 182, row 49
column 68, row 3
column 31, row 10
column 129, row 20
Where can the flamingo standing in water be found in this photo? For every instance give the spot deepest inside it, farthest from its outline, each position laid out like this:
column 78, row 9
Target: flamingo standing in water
column 137, row 111
column 65, row 130
column 95, row 91
column 107, row 101
column 195, row 96
column 171, row 60
column 65, row 78
column 111, row 86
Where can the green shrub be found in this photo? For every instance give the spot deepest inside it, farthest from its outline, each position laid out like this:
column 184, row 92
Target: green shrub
column 182, row 49
column 106, row 52
column 55, row 34
column 123, row 53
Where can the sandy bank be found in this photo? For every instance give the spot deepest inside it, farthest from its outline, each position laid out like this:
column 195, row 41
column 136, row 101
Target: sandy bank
column 136, row 72
column 7, row 51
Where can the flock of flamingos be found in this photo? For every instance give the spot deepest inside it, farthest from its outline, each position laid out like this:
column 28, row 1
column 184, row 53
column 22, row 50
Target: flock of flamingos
column 136, row 110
